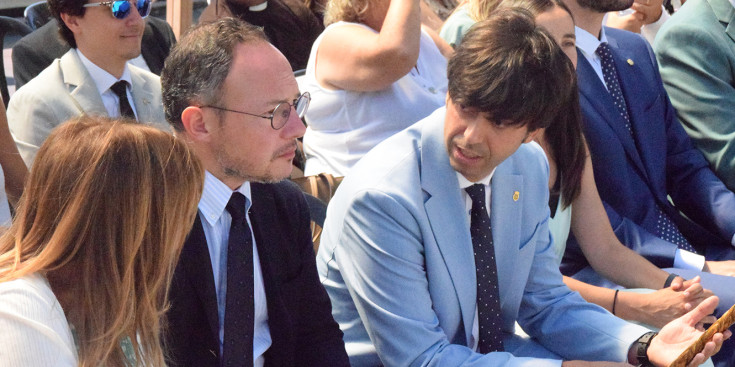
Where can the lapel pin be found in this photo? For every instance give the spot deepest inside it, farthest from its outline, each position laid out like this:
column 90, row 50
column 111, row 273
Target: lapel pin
column 630, row 62
column 146, row 101
column 516, row 196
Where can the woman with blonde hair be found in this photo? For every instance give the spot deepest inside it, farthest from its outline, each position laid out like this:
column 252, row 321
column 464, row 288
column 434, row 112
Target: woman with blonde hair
column 372, row 72
column 87, row 263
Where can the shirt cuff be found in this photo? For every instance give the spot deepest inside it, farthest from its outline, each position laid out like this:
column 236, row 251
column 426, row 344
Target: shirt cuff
column 732, row 241
column 649, row 31
column 688, row 260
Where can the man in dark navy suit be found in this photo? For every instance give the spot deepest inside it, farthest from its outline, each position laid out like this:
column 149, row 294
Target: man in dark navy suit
column 661, row 196
column 246, row 290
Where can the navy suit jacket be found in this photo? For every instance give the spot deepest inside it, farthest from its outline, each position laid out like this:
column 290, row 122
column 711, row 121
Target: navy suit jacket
column 299, row 312
column 635, row 174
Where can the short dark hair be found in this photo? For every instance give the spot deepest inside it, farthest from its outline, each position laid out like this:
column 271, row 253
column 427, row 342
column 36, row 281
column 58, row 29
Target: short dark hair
column 513, row 70
column 70, row 7
column 196, row 69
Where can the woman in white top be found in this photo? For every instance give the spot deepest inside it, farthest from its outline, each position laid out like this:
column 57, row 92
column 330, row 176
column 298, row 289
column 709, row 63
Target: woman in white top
column 372, row 72
column 87, row 262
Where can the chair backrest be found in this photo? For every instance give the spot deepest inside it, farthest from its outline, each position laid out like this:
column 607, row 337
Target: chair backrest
column 37, row 14
column 9, row 27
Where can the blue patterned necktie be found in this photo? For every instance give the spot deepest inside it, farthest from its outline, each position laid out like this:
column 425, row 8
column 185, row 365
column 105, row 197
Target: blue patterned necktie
column 239, row 301
column 488, row 299
column 665, row 228
column 612, row 81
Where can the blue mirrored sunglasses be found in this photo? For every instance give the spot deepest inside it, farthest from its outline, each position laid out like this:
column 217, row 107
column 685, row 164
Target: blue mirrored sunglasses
column 121, row 8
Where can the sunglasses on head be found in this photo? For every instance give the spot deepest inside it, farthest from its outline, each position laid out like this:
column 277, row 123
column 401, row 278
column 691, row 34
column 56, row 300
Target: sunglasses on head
column 121, row 8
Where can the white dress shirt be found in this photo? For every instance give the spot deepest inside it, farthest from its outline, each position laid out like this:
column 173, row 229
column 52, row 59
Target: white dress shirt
column 587, row 43
column 463, row 184
column 216, row 222
column 104, row 80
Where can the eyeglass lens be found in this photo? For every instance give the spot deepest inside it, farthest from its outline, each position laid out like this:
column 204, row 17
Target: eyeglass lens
column 121, row 8
column 283, row 111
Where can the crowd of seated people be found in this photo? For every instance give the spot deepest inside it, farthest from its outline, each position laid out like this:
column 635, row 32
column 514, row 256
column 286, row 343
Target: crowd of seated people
column 517, row 183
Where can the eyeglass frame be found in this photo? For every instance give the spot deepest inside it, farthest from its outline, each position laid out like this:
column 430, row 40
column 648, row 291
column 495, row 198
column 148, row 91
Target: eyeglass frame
column 110, row 3
column 296, row 102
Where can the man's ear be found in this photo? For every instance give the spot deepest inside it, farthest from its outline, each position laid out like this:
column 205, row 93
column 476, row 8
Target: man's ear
column 194, row 123
column 71, row 21
column 531, row 135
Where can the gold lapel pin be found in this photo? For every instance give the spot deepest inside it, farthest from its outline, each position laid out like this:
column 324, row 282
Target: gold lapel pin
column 630, row 62
column 516, row 196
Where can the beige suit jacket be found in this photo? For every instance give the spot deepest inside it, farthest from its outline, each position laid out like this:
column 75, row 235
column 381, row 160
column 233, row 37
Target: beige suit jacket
column 65, row 90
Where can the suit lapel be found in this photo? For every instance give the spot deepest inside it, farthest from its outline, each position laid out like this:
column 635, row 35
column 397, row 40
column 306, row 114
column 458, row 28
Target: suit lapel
column 196, row 261
column 593, row 91
column 444, row 206
column 142, row 95
column 506, row 222
column 263, row 217
column 725, row 13
column 82, row 88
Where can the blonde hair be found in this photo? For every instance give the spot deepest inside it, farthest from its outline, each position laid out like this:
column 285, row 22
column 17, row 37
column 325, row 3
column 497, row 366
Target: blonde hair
column 481, row 9
column 111, row 202
column 345, row 10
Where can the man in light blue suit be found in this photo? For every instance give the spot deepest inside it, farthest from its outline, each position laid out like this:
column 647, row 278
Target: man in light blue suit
column 399, row 246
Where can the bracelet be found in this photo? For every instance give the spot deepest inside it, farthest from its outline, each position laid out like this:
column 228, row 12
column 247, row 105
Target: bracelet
column 615, row 300
column 670, row 279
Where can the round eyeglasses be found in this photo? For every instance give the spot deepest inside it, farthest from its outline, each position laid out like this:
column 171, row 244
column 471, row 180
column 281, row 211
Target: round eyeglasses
column 279, row 116
column 121, row 8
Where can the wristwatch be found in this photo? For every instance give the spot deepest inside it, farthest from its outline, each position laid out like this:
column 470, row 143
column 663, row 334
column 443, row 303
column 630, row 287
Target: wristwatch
column 638, row 353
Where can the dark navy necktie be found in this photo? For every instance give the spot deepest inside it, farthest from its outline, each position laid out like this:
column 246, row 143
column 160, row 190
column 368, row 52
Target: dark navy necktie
column 488, row 299
column 665, row 228
column 121, row 91
column 612, row 81
column 239, row 300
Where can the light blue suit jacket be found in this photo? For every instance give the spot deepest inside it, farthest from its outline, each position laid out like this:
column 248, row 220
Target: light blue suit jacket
column 396, row 259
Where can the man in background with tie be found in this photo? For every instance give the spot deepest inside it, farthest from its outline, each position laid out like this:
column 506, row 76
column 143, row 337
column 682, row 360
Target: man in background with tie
column 437, row 242
column 661, row 196
column 93, row 77
column 245, row 291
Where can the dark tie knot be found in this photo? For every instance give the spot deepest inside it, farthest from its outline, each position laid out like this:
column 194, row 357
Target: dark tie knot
column 603, row 51
column 477, row 194
column 236, row 206
column 120, row 89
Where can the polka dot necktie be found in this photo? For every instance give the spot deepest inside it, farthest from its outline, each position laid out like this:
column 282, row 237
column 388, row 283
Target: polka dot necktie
column 610, row 74
column 488, row 299
column 666, row 230
column 239, row 300
column 121, row 91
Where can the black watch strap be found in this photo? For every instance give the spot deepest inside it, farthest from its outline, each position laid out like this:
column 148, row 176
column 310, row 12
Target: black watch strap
column 640, row 347
column 670, row 279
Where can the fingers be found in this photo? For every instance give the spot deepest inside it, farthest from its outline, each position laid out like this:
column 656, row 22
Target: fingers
column 702, row 310
column 677, row 283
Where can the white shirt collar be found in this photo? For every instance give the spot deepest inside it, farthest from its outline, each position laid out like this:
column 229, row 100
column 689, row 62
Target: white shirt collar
column 587, row 42
column 215, row 196
column 102, row 79
column 259, row 7
column 732, row 2
column 465, row 183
